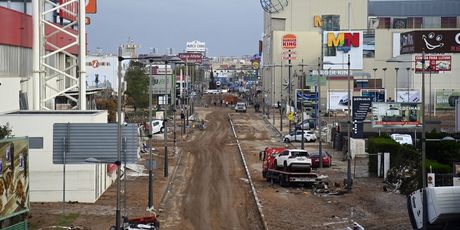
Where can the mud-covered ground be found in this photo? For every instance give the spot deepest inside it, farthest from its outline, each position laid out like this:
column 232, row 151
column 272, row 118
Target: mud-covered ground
column 208, row 188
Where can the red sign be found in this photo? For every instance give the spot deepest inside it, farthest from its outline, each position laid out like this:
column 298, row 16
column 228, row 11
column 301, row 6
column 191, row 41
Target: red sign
column 289, row 41
column 70, row 10
column 434, row 63
column 87, row 21
column 191, row 57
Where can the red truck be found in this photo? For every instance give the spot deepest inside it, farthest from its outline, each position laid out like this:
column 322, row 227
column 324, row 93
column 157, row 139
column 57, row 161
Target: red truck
column 284, row 177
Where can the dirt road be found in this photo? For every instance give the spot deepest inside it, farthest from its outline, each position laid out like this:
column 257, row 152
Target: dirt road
column 209, row 191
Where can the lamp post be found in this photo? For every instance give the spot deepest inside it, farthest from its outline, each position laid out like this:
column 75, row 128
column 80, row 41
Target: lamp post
column 150, row 195
column 384, row 76
column 375, row 77
column 408, row 83
column 396, row 83
column 120, row 76
column 425, row 203
column 281, row 98
column 349, row 180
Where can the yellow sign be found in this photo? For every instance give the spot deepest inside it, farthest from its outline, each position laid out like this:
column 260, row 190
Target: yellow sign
column 291, row 116
column 255, row 65
column 317, row 22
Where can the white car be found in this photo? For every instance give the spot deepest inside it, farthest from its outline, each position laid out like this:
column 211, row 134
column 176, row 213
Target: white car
column 294, row 160
column 157, row 126
column 240, row 107
column 308, row 136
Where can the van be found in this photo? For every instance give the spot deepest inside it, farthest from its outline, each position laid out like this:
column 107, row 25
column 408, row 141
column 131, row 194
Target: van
column 157, row 126
column 403, row 139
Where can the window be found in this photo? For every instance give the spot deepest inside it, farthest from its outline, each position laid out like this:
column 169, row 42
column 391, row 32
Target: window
column 431, row 22
column 35, row 142
column 414, row 22
column 361, row 84
column 448, row 22
column 384, row 23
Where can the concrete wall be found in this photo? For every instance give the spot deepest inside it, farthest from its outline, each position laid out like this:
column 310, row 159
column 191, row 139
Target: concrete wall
column 9, row 92
column 84, row 183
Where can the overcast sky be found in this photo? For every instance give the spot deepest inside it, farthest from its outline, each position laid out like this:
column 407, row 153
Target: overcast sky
column 229, row 27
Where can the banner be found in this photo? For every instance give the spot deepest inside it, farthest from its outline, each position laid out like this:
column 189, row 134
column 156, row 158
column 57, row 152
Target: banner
column 376, row 95
column 337, row 100
column 14, row 174
column 445, row 98
column 408, row 95
column 434, row 63
column 396, row 115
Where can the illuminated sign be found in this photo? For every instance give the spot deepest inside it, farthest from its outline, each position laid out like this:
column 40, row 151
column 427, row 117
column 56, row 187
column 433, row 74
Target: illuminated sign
column 289, row 41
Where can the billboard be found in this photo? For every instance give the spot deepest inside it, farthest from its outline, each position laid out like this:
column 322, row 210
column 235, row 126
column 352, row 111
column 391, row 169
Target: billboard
column 376, row 95
column 445, row 98
column 408, row 95
column 14, row 171
column 191, row 57
column 430, row 41
column 338, row 45
column 434, row 62
column 289, row 41
column 337, row 100
column 397, row 115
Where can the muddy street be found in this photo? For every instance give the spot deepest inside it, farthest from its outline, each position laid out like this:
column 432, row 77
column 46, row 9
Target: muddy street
column 209, row 191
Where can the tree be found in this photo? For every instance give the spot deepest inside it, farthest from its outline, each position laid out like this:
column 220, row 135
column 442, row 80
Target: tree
column 5, row 131
column 137, row 90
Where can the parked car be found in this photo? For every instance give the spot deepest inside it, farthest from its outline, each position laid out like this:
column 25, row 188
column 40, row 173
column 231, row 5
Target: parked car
column 403, row 139
column 327, row 159
column 306, row 124
column 297, row 135
column 157, row 126
column 240, row 107
column 293, row 160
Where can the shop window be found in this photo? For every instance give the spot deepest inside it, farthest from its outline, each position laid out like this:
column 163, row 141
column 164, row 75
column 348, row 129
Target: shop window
column 384, row 23
column 448, row 22
column 414, row 22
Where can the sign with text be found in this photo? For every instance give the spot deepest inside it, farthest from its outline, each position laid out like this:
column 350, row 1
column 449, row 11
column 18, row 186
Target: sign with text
column 430, row 41
column 445, row 98
column 289, row 41
column 191, row 57
column 360, row 108
column 433, row 63
column 340, row 44
column 395, row 115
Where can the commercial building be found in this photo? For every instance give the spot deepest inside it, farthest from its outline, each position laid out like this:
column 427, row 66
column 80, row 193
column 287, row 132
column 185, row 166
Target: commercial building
column 308, row 33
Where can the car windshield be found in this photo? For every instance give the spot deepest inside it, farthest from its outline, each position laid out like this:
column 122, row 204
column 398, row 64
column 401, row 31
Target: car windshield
column 299, row 154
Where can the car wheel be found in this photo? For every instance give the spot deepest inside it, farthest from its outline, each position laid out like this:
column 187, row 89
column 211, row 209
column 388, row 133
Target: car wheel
column 286, row 140
column 162, row 130
column 305, row 140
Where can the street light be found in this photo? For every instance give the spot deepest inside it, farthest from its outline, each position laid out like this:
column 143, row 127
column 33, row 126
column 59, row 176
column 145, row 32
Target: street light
column 396, row 83
column 349, row 179
column 375, row 77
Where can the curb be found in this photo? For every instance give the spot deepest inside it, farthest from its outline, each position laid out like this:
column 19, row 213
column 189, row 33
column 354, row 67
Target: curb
column 254, row 192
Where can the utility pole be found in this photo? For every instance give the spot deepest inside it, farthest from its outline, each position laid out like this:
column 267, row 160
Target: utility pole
column 425, row 200
column 165, row 101
column 302, row 143
column 281, row 99
column 289, row 88
column 319, row 114
column 150, row 189
column 349, row 180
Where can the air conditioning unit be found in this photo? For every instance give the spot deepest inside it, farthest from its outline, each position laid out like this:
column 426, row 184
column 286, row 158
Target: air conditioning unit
column 373, row 23
column 399, row 23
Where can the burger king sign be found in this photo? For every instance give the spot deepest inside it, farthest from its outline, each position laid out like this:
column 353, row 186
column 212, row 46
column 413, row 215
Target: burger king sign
column 289, row 41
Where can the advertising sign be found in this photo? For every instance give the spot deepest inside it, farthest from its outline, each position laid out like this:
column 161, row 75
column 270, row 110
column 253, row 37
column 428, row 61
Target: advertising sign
column 434, row 63
column 408, row 95
column 340, row 44
column 191, row 57
column 430, row 41
column 338, row 100
column 445, row 98
column 14, row 173
column 159, row 84
column 376, row 95
column 395, row 115
column 70, row 10
column 360, row 108
column 289, row 41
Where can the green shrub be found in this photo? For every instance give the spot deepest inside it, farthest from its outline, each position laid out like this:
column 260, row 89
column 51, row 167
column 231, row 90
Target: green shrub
column 437, row 167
